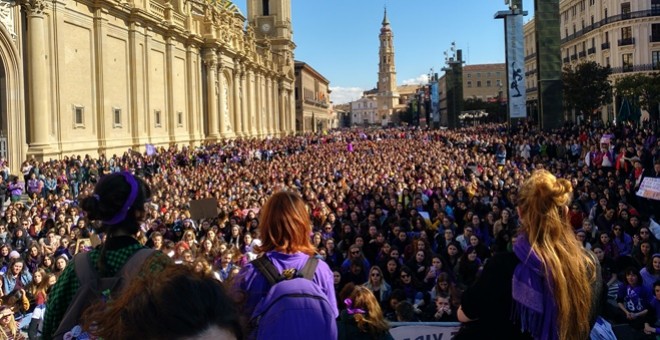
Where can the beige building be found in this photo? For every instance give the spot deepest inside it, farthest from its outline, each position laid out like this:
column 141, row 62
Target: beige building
column 484, row 81
column 382, row 104
column 313, row 111
column 624, row 34
column 364, row 111
column 531, row 78
column 102, row 76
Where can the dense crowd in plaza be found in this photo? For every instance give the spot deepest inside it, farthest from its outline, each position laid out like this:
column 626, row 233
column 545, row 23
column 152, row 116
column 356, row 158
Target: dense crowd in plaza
column 413, row 215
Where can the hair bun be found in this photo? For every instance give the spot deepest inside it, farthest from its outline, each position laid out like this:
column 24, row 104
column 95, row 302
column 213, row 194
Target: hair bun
column 90, row 205
column 562, row 190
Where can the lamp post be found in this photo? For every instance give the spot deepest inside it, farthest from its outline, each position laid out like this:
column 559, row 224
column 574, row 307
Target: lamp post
column 500, row 101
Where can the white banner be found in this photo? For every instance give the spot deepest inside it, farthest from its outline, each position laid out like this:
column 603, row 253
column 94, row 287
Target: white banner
column 423, row 332
column 515, row 56
column 650, row 188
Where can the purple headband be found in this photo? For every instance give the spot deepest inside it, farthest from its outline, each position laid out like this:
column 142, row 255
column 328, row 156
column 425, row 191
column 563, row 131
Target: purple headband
column 121, row 215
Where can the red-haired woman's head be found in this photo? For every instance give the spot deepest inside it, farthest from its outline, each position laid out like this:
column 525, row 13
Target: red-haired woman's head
column 284, row 225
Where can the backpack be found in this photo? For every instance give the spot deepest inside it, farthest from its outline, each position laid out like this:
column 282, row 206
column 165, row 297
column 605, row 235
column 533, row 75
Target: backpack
column 294, row 308
column 94, row 288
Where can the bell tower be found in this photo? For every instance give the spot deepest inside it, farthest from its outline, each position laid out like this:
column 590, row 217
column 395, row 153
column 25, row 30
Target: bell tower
column 271, row 19
column 387, row 97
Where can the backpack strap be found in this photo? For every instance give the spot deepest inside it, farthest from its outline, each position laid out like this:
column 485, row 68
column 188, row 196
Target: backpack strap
column 268, row 270
column 132, row 266
column 309, row 269
column 85, row 269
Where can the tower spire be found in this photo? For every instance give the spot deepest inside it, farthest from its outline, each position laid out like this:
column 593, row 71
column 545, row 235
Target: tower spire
column 385, row 20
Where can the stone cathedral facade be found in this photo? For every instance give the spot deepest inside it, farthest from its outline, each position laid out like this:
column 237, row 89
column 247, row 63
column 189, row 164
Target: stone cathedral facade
column 101, row 76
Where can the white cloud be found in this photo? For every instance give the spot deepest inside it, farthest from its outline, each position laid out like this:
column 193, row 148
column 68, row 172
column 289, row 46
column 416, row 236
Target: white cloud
column 343, row 95
column 422, row 79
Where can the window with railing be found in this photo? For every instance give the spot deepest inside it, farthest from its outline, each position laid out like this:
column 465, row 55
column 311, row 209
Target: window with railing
column 626, row 36
column 627, row 62
column 625, row 10
column 655, row 59
column 626, row 32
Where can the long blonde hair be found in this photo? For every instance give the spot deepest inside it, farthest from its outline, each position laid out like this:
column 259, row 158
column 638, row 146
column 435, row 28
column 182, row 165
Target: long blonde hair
column 12, row 326
column 372, row 321
column 543, row 201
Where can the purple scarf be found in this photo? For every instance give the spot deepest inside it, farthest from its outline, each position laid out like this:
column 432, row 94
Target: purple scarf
column 533, row 302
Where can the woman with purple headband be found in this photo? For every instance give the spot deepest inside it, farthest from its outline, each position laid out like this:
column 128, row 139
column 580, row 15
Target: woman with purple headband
column 118, row 205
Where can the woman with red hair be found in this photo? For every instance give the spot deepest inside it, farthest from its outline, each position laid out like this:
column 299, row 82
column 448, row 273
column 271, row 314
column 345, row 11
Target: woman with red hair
column 285, row 229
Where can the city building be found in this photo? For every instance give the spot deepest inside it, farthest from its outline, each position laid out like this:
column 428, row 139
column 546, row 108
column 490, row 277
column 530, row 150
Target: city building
column 383, row 104
column 531, row 77
column 623, row 34
column 364, row 111
column 313, row 112
column 485, row 82
column 91, row 77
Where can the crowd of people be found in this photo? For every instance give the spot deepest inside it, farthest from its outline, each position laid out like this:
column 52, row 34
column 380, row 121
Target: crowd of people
column 410, row 214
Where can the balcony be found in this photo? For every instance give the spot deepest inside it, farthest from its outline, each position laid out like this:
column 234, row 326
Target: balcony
column 566, row 60
column 573, row 57
column 533, row 55
column 318, row 103
column 610, row 20
column 591, row 50
column 635, row 68
column 626, row 41
column 582, row 54
column 605, row 46
column 654, row 38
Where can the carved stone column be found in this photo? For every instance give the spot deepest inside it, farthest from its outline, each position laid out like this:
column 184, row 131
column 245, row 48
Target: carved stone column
column 211, row 62
column 37, row 77
column 277, row 129
column 248, row 102
column 282, row 112
column 238, row 125
column 226, row 124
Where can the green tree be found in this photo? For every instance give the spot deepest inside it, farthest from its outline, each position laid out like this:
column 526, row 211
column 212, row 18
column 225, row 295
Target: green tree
column 643, row 89
column 587, row 87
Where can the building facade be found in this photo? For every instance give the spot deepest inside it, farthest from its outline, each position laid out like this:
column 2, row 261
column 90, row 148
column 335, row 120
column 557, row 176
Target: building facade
column 93, row 77
column 312, row 93
column 484, row 81
column 624, row 34
column 531, row 76
column 364, row 111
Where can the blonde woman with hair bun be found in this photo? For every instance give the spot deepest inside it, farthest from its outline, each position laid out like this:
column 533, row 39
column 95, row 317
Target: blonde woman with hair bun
column 549, row 287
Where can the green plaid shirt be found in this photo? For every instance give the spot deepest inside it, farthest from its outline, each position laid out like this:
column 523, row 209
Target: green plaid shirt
column 67, row 284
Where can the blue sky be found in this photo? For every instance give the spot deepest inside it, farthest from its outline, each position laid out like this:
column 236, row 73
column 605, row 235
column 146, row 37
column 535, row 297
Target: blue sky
column 339, row 38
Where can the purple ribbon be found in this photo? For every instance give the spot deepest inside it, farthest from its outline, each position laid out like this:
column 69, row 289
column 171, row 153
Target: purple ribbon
column 350, row 309
column 121, row 215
